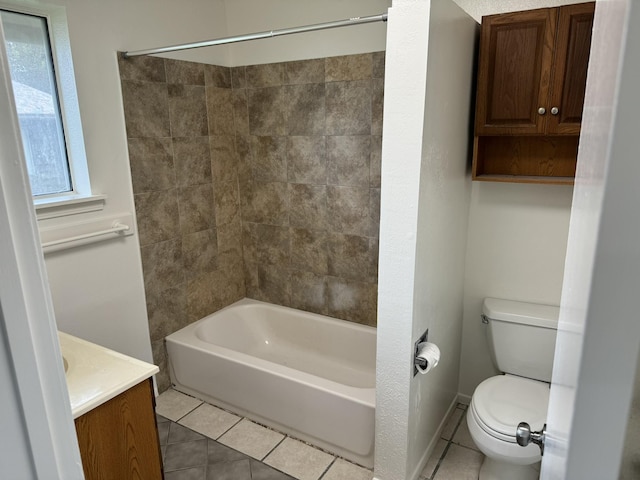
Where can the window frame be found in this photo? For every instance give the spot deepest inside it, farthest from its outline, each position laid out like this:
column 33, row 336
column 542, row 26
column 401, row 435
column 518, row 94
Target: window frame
column 80, row 199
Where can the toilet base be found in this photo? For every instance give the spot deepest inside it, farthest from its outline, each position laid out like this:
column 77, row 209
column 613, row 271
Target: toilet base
column 494, row 470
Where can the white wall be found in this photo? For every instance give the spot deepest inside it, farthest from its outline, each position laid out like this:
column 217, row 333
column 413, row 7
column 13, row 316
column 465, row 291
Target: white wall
column 516, row 246
column 517, row 238
column 425, row 199
column 98, row 290
column 443, row 210
column 249, row 16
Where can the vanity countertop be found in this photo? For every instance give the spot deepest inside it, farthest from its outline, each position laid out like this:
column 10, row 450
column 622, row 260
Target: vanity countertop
column 96, row 374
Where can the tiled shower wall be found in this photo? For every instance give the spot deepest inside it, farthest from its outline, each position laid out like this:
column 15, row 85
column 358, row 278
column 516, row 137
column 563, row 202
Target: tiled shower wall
column 261, row 181
column 185, row 190
column 308, row 134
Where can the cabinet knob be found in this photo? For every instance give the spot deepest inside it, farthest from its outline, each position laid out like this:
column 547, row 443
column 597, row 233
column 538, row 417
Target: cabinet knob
column 542, row 111
column 554, row 111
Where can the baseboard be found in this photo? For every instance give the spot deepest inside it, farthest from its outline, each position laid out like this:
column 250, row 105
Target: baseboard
column 432, row 444
column 459, row 398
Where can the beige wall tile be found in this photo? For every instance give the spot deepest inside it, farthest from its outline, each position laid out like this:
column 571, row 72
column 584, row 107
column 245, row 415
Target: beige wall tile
column 304, row 71
column 348, row 210
column 220, row 111
column 192, row 159
column 217, row 76
column 309, row 250
column 308, row 206
column 267, row 75
column 269, row 162
column 348, row 107
column 195, row 204
column 267, row 111
column 152, row 165
column 306, row 109
column 306, row 159
column 348, row 160
column 143, row 68
column 378, row 59
column 146, row 109
column 349, row 67
column 185, row 73
column 162, row 265
column 309, row 292
column 187, row 111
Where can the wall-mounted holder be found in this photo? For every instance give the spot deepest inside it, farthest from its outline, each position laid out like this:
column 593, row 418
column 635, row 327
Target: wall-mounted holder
column 426, row 355
column 416, row 346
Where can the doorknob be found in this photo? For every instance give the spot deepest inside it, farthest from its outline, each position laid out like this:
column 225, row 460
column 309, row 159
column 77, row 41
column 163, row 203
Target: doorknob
column 525, row 436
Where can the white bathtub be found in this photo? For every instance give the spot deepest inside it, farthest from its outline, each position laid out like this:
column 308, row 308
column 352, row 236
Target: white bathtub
column 307, row 375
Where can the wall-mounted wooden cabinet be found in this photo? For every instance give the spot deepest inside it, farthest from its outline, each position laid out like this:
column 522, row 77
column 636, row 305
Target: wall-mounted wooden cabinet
column 531, row 82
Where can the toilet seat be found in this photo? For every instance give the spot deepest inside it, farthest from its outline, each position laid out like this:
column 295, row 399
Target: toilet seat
column 497, row 406
column 500, row 403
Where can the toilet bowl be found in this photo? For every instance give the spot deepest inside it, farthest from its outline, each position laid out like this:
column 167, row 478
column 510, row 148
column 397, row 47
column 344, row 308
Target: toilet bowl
column 501, row 402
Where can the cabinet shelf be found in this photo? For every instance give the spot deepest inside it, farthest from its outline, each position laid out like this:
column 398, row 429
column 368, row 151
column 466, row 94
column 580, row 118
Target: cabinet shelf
column 525, row 159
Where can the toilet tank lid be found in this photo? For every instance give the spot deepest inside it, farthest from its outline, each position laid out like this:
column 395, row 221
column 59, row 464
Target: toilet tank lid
column 545, row 316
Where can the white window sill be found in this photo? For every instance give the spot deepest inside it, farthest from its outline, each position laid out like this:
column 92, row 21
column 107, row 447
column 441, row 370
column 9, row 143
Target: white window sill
column 63, row 205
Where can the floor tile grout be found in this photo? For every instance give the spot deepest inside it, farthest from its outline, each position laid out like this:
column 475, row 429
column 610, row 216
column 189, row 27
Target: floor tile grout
column 240, row 418
column 228, row 429
column 449, row 442
column 335, row 459
column 275, row 446
column 206, row 464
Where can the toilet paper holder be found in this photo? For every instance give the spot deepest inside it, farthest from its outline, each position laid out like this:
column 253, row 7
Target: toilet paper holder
column 426, row 355
column 419, row 362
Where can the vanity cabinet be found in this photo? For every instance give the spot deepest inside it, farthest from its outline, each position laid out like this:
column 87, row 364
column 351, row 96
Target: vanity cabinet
column 531, row 81
column 119, row 439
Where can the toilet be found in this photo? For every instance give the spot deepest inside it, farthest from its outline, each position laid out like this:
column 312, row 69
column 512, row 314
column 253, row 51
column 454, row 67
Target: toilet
column 522, row 339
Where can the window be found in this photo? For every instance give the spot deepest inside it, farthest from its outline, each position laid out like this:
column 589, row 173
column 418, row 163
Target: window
column 38, row 52
column 36, row 97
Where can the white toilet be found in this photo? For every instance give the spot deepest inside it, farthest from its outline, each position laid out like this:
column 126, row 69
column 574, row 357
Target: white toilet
column 522, row 338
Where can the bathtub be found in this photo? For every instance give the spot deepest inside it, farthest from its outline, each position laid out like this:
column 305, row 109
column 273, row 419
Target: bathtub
column 304, row 374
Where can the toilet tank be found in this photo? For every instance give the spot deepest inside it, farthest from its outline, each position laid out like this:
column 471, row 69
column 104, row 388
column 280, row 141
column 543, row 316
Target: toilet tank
column 522, row 337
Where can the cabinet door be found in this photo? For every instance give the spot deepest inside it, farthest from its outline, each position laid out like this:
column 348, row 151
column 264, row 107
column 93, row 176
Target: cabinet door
column 514, row 76
column 119, row 439
column 570, row 75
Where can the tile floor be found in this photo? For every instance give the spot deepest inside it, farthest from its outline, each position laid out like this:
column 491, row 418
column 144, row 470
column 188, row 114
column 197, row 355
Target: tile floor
column 455, row 457
column 202, row 442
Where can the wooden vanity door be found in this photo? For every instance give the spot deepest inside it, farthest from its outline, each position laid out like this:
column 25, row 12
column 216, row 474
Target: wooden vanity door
column 514, row 74
column 119, row 439
column 570, row 76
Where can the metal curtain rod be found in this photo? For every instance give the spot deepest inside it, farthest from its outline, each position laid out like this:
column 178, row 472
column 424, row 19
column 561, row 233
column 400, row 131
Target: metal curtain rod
column 256, row 36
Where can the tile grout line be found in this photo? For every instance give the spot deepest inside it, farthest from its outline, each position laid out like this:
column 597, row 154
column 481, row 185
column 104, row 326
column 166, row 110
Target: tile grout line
column 449, row 442
column 228, row 429
column 335, row 459
column 284, row 437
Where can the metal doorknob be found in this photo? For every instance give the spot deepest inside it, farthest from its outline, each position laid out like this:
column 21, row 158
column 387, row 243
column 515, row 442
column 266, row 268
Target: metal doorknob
column 554, row 111
column 524, row 436
column 542, row 111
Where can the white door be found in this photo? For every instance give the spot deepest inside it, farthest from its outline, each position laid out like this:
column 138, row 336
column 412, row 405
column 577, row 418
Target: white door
column 599, row 329
column 37, row 434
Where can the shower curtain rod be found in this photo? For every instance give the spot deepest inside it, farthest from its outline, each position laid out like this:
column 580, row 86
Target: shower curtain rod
column 256, row 36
